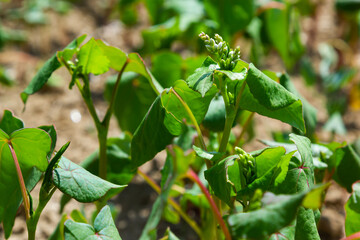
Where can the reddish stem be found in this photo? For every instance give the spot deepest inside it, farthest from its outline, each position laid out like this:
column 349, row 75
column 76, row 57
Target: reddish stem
column 352, row 237
column 194, row 177
column 21, row 181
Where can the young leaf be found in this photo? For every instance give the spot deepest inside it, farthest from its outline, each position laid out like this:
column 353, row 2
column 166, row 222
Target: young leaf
column 202, row 79
column 116, row 57
column 92, row 58
column 31, row 146
column 80, row 184
column 104, row 228
column 45, row 72
column 352, row 209
column 9, row 123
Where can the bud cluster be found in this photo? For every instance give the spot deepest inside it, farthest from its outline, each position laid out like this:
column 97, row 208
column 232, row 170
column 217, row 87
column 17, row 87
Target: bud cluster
column 247, row 163
column 226, row 56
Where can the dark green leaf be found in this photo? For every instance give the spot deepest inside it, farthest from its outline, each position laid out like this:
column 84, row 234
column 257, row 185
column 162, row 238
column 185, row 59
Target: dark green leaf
column 152, row 135
column 352, row 209
column 202, row 79
column 81, row 184
column 9, row 123
column 278, row 212
column 167, row 68
column 134, row 92
column 104, row 228
column 31, row 146
column 348, row 167
column 225, row 182
column 309, row 112
column 52, row 133
column 268, row 98
column 45, row 72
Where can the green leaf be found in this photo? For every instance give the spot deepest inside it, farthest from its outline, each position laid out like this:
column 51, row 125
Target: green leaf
column 47, row 181
column 104, row 228
column 136, row 92
column 169, row 235
column 167, row 68
column 119, row 167
column 215, row 117
column 287, row 233
column 278, row 212
column 224, row 179
column 300, row 178
column 197, row 103
column 116, row 57
column 347, row 167
column 31, row 146
column 152, row 135
column 9, row 123
column 92, row 59
column 352, row 210
column 202, row 79
column 45, row 72
column 53, row 135
column 309, row 112
column 136, row 64
column 271, row 170
column 268, row 98
column 168, row 179
column 164, row 120
column 80, row 184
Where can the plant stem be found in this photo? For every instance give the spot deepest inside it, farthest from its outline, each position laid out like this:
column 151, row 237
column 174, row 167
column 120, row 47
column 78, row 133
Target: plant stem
column 31, row 223
column 21, row 181
column 194, row 122
column 193, row 176
column 172, row 202
column 192, row 118
column 110, row 109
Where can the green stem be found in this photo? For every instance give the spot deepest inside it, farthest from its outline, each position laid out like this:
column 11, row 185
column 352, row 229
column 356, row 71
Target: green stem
column 193, row 176
column 32, row 222
column 172, row 202
column 110, row 109
column 21, row 181
column 194, row 122
column 192, row 118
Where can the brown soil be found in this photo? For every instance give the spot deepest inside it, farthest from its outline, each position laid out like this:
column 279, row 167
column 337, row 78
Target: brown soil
column 55, row 104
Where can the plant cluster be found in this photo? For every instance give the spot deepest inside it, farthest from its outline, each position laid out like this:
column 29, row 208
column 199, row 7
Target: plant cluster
column 273, row 192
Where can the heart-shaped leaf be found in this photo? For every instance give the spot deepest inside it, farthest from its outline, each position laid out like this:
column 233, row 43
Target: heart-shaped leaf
column 31, row 146
column 80, row 184
column 104, row 228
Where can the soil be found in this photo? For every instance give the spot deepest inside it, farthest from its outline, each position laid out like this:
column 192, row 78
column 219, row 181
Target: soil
column 56, row 105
